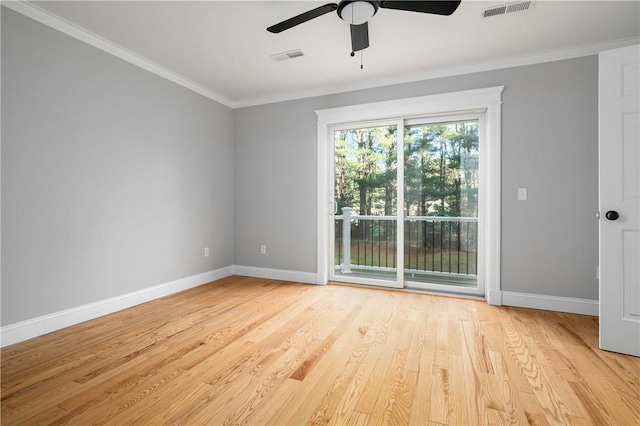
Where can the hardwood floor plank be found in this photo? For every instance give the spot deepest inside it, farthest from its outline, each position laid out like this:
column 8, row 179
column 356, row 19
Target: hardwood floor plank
column 420, row 411
column 389, row 398
column 354, row 393
column 358, row 419
column 281, row 398
column 44, row 399
column 165, row 414
column 417, row 343
column 461, row 401
column 382, row 346
column 533, row 410
column 439, row 401
column 267, row 352
column 47, row 416
column 546, row 394
column 301, row 406
column 255, row 392
column 327, row 407
column 513, row 411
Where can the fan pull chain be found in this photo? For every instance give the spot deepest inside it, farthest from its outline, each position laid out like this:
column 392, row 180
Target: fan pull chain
column 361, row 61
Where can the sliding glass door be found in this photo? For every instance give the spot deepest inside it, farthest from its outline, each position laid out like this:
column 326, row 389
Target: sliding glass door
column 441, row 180
column 408, row 220
column 366, row 204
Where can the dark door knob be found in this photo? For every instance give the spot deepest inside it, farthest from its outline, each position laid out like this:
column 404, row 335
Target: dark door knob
column 612, row 215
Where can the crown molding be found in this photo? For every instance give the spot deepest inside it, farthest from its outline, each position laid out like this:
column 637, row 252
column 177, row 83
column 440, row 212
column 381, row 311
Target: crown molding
column 42, row 16
column 511, row 62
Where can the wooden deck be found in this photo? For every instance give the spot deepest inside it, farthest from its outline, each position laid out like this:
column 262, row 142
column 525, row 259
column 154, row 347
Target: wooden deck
column 253, row 351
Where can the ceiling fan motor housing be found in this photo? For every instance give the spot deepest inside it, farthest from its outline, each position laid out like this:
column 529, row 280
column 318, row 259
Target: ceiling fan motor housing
column 357, row 12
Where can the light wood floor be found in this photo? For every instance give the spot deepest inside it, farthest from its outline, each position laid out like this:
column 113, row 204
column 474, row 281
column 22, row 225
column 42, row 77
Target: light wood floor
column 253, row 351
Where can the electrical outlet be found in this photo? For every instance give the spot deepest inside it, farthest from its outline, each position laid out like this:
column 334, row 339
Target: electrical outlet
column 206, row 252
column 263, row 249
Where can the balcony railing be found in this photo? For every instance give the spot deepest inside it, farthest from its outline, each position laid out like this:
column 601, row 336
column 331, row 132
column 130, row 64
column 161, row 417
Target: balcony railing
column 434, row 246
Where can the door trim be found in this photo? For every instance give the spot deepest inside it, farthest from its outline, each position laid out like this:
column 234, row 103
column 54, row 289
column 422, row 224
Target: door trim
column 488, row 100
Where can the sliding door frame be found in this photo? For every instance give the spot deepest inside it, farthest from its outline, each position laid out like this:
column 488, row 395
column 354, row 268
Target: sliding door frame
column 487, row 100
column 379, row 282
column 478, row 116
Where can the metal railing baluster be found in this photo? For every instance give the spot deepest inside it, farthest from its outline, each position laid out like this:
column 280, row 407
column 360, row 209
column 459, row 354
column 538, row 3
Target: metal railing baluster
column 434, row 235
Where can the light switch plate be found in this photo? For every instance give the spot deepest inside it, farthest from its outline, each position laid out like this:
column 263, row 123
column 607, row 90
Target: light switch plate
column 522, row 194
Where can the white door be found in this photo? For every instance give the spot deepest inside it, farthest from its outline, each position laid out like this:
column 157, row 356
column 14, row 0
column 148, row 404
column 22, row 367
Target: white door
column 620, row 200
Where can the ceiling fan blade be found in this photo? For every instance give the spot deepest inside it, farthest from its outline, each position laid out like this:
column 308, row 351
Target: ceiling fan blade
column 359, row 37
column 435, row 7
column 303, row 17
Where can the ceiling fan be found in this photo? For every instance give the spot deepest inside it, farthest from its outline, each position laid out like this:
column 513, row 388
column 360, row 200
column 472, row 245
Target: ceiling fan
column 358, row 12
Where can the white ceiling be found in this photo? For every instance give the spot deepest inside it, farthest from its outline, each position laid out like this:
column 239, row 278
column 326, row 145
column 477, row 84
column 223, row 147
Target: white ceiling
column 223, row 46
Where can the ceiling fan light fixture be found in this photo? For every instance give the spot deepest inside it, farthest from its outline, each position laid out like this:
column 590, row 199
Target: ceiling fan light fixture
column 357, row 12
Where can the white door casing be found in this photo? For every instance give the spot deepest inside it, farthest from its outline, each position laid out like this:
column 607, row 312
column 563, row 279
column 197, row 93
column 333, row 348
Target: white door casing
column 487, row 100
column 619, row 188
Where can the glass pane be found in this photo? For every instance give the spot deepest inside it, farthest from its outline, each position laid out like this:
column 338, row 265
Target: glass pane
column 441, row 203
column 365, row 188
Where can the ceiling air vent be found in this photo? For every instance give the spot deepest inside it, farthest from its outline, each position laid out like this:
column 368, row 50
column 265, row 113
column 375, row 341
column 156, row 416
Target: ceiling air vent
column 287, row 55
column 507, row 8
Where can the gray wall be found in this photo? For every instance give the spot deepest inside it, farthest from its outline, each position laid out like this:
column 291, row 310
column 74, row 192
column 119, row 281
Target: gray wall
column 113, row 179
column 549, row 143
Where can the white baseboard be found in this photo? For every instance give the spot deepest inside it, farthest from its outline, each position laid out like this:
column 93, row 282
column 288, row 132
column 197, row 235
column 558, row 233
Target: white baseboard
column 551, row 303
column 24, row 330
column 493, row 297
column 276, row 274
column 28, row 329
